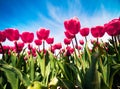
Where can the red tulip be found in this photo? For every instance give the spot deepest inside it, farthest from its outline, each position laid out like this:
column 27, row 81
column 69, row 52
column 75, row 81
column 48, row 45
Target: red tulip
column 27, row 37
column 57, row 46
column 12, row 48
column 19, row 46
column 33, row 51
column 93, row 41
column 2, row 36
column 72, row 25
column 43, row 33
column 97, row 31
column 113, row 27
column 30, row 46
column 69, row 50
column 50, row 40
column 81, row 42
column 78, row 47
column 84, row 31
column 69, row 35
column 12, row 34
column 67, row 41
column 5, row 48
column 38, row 42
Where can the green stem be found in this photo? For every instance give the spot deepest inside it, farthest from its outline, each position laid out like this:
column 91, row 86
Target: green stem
column 115, row 46
column 77, row 59
column 97, row 40
column 86, row 39
column 77, row 45
column 43, row 46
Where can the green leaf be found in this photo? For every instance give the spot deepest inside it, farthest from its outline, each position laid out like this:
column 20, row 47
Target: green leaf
column 21, row 64
column 32, row 68
column 13, row 59
column 41, row 62
column 13, row 74
column 64, row 69
column 104, row 85
column 115, row 68
column 91, row 77
column 67, row 84
column 11, row 77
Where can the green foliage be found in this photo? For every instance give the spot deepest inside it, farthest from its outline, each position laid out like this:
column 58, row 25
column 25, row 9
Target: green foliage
column 95, row 69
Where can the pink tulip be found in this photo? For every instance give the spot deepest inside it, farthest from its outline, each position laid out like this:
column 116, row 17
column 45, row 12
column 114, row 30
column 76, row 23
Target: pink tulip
column 67, row 41
column 38, row 42
column 43, row 33
column 27, row 37
column 2, row 36
column 97, row 31
column 72, row 25
column 69, row 35
column 50, row 40
column 12, row 34
column 113, row 27
column 57, row 46
column 84, row 32
column 81, row 42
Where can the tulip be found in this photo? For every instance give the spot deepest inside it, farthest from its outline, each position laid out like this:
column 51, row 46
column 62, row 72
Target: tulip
column 19, row 46
column 67, row 41
column 38, row 42
column 2, row 36
column 84, row 31
column 69, row 35
column 30, row 46
column 12, row 34
column 93, row 41
column 57, row 46
column 43, row 33
column 78, row 47
column 81, row 42
column 50, row 40
column 69, row 51
column 5, row 48
column 72, row 25
column 113, row 27
column 27, row 37
column 97, row 31
column 33, row 52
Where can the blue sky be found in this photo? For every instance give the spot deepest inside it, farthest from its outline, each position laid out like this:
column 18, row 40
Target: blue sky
column 30, row 15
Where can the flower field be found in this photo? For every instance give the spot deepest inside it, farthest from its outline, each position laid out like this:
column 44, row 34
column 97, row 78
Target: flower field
column 72, row 65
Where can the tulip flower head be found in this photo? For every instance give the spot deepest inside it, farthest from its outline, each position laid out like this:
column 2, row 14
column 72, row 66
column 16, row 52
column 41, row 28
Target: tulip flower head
column 78, row 47
column 50, row 40
column 12, row 34
column 38, row 42
column 5, row 48
column 113, row 27
column 19, row 46
column 69, row 35
column 67, row 41
column 72, row 25
column 84, row 32
column 43, row 33
column 2, row 36
column 97, row 31
column 57, row 46
column 27, row 37
column 81, row 42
